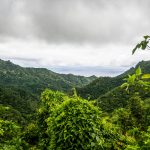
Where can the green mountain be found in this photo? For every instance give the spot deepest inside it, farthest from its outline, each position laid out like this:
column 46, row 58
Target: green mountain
column 21, row 87
column 37, row 79
column 102, row 85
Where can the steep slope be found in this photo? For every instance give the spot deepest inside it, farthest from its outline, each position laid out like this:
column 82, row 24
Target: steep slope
column 102, row 85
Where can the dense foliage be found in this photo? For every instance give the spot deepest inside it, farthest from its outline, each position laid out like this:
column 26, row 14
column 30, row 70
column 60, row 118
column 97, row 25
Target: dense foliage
column 118, row 119
column 19, row 99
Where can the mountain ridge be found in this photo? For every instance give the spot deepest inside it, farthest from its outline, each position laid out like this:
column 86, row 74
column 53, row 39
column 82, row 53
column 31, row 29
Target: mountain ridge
column 69, row 80
column 102, row 85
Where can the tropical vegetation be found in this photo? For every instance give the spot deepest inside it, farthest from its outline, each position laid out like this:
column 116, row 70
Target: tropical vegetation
column 74, row 112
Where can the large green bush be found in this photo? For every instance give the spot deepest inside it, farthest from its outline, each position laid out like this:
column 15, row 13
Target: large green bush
column 75, row 125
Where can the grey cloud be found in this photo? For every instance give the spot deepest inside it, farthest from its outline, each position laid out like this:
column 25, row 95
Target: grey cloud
column 76, row 21
column 14, row 21
column 5, row 16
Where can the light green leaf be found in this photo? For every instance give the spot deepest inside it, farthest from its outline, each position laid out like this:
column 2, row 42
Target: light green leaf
column 124, row 85
column 146, row 76
column 138, row 71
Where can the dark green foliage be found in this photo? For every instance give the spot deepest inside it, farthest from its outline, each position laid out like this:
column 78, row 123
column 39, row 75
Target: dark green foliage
column 97, row 87
column 19, row 99
column 102, row 85
column 8, row 113
column 117, row 98
column 136, row 106
column 123, row 118
column 147, row 112
column 31, row 135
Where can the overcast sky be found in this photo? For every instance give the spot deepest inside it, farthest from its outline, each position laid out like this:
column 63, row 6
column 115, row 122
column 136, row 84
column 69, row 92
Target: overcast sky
column 74, row 36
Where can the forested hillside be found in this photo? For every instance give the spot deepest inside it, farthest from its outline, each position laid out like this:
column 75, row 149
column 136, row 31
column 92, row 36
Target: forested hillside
column 21, row 87
column 102, row 85
column 37, row 79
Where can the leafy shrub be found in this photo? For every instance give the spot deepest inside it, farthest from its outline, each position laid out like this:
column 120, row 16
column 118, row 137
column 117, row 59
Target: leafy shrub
column 75, row 124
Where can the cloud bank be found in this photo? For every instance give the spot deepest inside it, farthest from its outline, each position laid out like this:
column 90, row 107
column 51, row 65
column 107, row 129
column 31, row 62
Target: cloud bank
column 73, row 33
